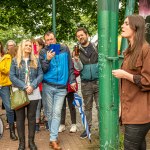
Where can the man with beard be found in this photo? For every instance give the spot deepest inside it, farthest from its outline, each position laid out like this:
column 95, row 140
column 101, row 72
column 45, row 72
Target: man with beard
column 58, row 71
column 88, row 61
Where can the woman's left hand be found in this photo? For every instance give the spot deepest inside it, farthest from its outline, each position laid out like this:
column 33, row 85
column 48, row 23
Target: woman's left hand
column 29, row 90
column 119, row 73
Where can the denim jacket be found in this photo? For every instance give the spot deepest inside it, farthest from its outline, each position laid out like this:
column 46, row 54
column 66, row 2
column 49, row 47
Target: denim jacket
column 17, row 75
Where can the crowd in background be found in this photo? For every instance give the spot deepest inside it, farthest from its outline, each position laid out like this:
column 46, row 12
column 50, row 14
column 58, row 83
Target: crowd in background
column 48, row 76
column 49, row 79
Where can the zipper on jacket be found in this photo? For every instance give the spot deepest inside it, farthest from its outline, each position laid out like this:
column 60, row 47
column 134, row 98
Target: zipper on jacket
column 56, row 69
column 90, row 69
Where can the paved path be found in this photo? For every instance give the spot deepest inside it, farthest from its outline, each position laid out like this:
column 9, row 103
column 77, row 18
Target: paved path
column 68, row 141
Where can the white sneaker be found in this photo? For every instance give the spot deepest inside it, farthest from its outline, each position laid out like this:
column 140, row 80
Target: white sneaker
column 62, row 128
column 73, row 128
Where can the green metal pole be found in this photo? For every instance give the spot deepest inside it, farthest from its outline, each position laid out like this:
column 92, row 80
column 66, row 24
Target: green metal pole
column 108, row 60
column 113, row 57
column 54, row 16
column 130, row 6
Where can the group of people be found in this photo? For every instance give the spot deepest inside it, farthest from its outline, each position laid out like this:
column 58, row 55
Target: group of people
column 27, row 66
column 57, row 72
column 54, row 86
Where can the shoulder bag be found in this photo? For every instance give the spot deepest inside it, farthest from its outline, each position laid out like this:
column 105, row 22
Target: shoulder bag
column 19, row 98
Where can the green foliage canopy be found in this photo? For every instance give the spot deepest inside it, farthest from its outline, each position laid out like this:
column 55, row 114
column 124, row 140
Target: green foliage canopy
column 35, row 17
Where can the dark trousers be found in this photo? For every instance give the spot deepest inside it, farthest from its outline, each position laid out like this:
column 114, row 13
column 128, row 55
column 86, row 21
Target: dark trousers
column 90, row 92
column 69, row 97
column 31, row 116
column 134, row 137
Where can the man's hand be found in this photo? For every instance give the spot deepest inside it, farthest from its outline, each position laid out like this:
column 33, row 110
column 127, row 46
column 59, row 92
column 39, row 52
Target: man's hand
column 50, row 55
column 76, row 58
column 73, row 86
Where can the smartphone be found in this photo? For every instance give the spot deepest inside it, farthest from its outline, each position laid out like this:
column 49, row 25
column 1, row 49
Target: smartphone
column 54, row 48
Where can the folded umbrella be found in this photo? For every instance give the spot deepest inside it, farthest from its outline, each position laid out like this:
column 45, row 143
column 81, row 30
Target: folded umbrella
column 78, row 103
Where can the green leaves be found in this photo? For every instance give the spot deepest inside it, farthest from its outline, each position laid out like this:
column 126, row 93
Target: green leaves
column 35, row 17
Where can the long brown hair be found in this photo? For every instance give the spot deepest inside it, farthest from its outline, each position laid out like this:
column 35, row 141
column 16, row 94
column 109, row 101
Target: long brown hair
column 136, row 23
column 40, row 42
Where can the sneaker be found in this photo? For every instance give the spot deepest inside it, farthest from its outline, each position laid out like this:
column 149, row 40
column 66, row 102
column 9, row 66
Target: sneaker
column 62, row 128
column 83, row 135
column 15, row 124
column 73, row 128
column 7, row 126
column 37, row 127
column 46, row 125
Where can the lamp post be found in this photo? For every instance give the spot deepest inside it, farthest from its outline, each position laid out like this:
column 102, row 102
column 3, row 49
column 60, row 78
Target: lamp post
column 54, row 16
column 108, row 60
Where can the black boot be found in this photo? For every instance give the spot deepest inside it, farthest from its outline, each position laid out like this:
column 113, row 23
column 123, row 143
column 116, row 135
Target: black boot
column 31, row 143
column 31, row 129
column 21, row 133
column 12, row 132
column 21, row 143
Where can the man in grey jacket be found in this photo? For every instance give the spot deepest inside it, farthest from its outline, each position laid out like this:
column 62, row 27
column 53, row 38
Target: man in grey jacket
column 88, row 57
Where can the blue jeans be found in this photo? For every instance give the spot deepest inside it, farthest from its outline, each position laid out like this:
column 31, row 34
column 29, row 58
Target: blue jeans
column 5, row 95
column 54, row 99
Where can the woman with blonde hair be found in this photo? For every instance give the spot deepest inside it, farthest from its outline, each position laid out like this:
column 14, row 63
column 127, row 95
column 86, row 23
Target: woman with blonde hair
column 26, row 74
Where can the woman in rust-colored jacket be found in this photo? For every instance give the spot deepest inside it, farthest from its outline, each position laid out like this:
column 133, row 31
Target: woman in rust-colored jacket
column 135, row 84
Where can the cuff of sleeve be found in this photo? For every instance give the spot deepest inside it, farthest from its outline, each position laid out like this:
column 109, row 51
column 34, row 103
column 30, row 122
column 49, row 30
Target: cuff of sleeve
column 34, row 87
column 72, row 82
column 137, row 80
column 46, row 60
column 24, row 87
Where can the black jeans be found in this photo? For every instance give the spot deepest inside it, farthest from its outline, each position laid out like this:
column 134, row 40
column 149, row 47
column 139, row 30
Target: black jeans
column 31, row 115
column 134, row 137
column 70, row 98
